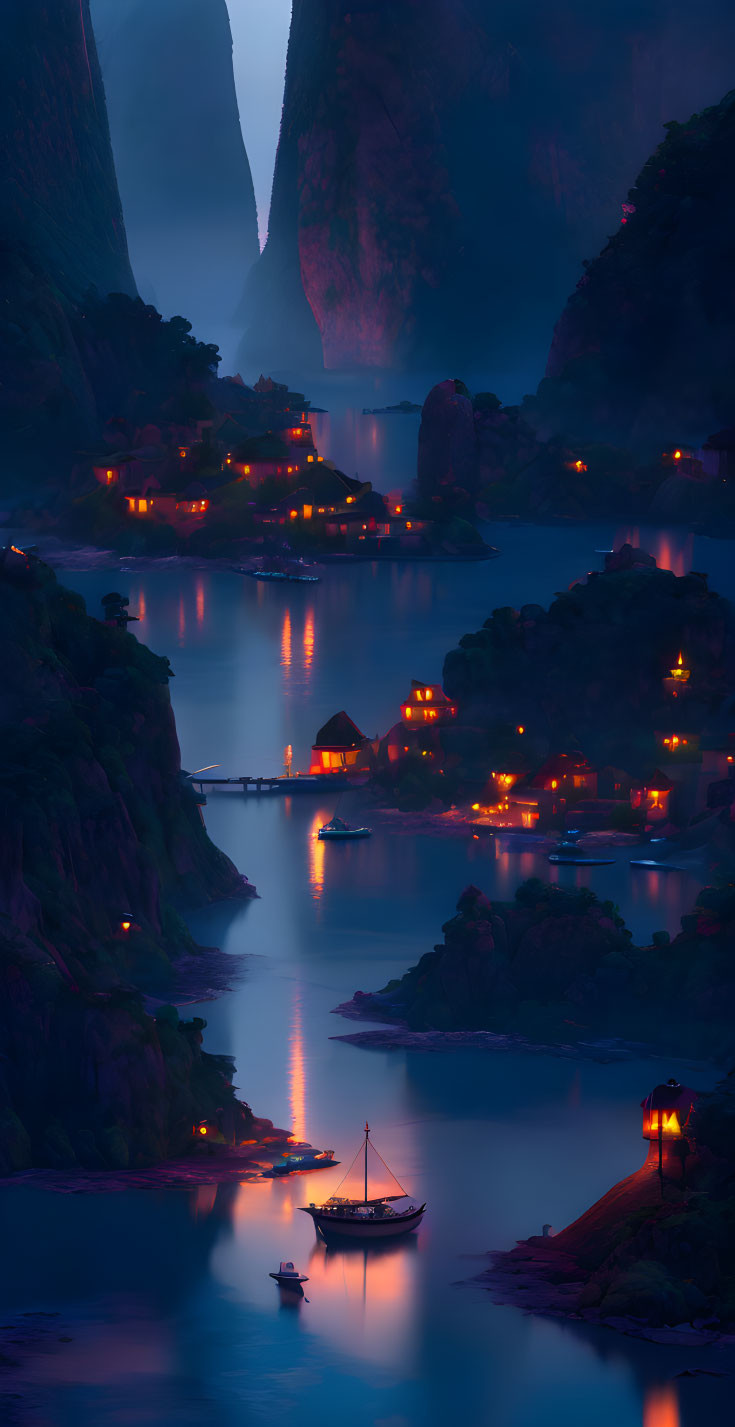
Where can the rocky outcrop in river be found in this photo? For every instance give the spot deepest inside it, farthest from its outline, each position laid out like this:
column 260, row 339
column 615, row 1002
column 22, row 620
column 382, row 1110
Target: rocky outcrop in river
column 102, row 841
column 559, row 966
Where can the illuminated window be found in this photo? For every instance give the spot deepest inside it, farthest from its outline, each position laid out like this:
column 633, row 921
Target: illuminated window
column 554, row 783
column 307, row 512
column 142, row 505
column 399, row 509
column 408, row 525
column 293, row 514
column 110, row 477
column 310, row 458
column 520, row 728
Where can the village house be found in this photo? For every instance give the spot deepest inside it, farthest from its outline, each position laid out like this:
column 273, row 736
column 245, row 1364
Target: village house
column 340, row 747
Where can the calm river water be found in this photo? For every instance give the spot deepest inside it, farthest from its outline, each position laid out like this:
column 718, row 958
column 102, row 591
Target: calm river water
column 175, row 1319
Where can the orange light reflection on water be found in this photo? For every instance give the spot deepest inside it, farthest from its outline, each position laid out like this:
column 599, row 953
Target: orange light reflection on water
column 661, row 1406
column 141, row 605
column 286, row 643
column 317, row 853
column 200, row 600
column 297, row 1071
column 182, row 619
column 308, row 641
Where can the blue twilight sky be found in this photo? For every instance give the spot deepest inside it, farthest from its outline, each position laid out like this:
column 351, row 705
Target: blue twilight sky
column 260, row 37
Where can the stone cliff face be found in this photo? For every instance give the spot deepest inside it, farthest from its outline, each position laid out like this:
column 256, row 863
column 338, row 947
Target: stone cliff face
column 442, row 171
column 181, row 163
column 61, row 226
column 99, row 830
column 643, row 348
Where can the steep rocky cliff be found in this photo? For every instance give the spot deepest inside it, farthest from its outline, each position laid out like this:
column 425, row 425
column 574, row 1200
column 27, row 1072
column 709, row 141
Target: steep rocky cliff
column 101, row 839
column 61, row 227
column 644, row 346
column 181, row 163
column 443, row 168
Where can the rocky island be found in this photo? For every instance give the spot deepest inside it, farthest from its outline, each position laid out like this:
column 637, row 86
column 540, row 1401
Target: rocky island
column 103, row 845
column 558, row 966
column 617, row 702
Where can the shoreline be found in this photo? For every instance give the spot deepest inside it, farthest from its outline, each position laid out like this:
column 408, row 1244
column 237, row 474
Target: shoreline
column 225, row 1166
column 540, row 1279
column 401, row 1037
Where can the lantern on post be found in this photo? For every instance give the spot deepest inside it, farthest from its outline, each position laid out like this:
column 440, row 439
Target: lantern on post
column 667, row 1114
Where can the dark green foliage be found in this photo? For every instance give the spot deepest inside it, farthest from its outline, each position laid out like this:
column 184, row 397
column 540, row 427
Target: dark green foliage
column 558, row 964
column 97, row 826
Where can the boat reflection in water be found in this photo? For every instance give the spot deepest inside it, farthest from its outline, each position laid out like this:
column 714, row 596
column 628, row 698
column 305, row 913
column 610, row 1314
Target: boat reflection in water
column 370, row 1217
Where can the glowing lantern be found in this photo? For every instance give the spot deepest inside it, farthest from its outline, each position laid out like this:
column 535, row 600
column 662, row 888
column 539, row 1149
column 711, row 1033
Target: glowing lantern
column 183, row 453
column 667, row 1112
column 293, row 514
column 677, row 455
column 520, row 728
column 399, row 509
column 580, row 466
column 125, row 924
column 350, row 499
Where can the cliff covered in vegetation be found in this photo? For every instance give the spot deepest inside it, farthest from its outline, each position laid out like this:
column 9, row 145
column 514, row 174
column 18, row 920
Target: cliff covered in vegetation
column 559, row 965
column 61, row 226
column 643, row 349
column 102, row 839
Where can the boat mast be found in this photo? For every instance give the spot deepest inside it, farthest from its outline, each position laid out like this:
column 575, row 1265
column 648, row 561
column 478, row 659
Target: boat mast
column 367, row 1136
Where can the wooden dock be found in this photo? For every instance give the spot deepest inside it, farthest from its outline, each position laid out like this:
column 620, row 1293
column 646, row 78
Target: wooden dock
column 297, row 783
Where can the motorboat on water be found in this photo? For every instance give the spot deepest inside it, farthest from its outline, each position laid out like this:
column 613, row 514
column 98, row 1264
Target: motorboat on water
column 369, row 1216
column 281, row 577
column 337, row 829
column 650, row 865
column 300, row 1160
column 567, row 853
column 288, row 1276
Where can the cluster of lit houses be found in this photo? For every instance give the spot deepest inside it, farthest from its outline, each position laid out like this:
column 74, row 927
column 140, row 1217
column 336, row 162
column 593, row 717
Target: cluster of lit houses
column 177, row 478
column 694, row 772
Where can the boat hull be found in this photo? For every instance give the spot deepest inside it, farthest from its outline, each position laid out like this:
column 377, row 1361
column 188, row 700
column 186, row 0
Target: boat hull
column 331, row 1227
column 558, row 860
column 328, row 835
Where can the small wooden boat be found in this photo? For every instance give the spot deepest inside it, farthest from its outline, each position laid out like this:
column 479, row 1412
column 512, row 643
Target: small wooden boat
column 337, row 829
column 369, row 1217
column 300, row 1160
column 568, row 854
column 288, row 1276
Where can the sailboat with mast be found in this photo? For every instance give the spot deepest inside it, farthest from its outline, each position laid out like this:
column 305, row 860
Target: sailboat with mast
column 369, row 1216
